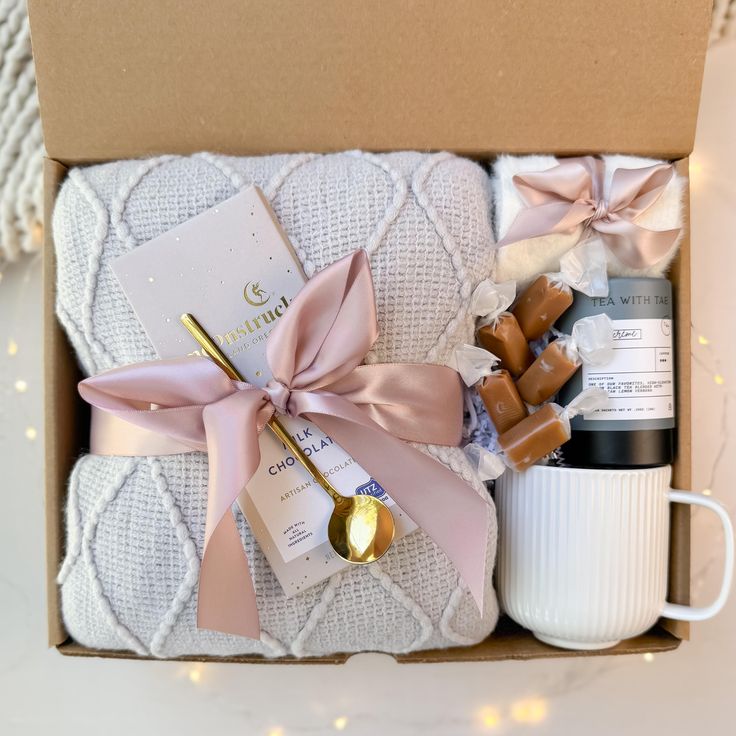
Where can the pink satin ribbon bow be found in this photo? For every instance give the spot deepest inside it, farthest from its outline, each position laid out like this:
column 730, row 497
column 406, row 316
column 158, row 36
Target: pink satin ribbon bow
column 314, row 354
column 572, row 193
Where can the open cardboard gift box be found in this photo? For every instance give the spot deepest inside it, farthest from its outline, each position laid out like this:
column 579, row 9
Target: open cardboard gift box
column 477, row 77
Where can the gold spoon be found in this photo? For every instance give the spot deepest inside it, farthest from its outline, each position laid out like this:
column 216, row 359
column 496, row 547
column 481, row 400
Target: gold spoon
column 361, row 528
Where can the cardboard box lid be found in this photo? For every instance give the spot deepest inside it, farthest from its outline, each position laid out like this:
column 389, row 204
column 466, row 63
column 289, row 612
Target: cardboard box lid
column 125, row 79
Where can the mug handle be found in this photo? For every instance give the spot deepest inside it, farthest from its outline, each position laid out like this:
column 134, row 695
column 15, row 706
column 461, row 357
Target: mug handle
column 692, row 613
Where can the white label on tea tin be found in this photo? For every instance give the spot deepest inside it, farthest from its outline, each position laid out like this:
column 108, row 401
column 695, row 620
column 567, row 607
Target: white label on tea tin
column 640, row 377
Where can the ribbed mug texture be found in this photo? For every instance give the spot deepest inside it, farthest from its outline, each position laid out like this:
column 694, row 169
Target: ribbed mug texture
column 583, row 553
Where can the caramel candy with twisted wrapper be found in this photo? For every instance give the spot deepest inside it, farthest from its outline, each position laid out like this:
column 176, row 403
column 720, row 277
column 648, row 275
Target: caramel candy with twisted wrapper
column 541, row 305
column 554, row 367
column 591, row 342
column 502, row 400
column 583, row 268
column 534, row 437
column 503, row 337
column 547, row 429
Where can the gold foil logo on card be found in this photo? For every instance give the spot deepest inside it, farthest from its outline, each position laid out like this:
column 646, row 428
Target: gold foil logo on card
column 255, row 296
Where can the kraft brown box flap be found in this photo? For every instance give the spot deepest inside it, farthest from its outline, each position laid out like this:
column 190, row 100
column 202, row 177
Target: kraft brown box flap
column 126, row 78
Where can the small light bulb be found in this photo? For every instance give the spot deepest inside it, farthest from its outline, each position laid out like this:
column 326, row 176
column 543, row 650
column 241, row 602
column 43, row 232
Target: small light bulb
column 718, row 378
column 12, row 347
column 533, row 710
column 275, row 731
column 31, row 433
column 340, row 723
column 195, row 676
column 703, row 340
column 489, row 718
column 649, row 657
column 21, row 386
column 37, row 233
column 707, row 491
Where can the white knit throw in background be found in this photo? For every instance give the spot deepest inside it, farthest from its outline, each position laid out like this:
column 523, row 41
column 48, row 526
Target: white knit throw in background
column 135, row 526
column 723, row 24
column 21, row 145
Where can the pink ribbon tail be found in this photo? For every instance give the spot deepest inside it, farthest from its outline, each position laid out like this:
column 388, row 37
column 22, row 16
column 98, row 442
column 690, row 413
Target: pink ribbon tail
column 226, row 596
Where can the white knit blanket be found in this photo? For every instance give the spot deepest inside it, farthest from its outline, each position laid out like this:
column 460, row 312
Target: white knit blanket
column 135, row 527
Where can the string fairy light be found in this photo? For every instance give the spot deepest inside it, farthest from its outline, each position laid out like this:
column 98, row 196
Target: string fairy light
column 530, row 710
column 648, row 657
column 489, row 718
column 340, row 723
column 37, row 233
column 12, row 347
column 31, row 433
column 696, row 172
column 21, row 386
column 275, row 731
column 709, row 361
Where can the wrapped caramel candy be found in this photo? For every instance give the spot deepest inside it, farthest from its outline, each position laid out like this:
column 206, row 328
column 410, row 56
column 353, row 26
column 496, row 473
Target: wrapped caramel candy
column 498, row 330
column 534, row 438
column 502, row 401
column 554, row 367
column 547, row 298
column 503, row 337
column 541, row 305
column 547, row 429
column 591, row 342
column 496, row 387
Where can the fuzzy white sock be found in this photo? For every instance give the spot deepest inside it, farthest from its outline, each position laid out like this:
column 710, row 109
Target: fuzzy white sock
column 526, row 259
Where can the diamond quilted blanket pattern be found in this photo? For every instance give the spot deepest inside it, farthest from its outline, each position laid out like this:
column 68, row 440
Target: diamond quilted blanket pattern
column 135, row 526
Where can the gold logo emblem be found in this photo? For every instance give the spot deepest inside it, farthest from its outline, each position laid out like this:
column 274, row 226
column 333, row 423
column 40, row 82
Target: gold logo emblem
column 254, row 294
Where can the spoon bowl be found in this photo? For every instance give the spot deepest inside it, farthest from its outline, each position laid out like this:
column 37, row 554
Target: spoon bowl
column 361, row 529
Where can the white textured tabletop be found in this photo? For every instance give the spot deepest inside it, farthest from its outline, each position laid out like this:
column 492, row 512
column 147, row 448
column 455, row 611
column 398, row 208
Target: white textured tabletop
column 690, row 690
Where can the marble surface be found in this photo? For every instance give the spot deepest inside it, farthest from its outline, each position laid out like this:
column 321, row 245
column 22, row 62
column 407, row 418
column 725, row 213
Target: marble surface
column 677, row 693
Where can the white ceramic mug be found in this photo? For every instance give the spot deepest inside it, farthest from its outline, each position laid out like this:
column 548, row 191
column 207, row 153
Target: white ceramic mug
column 583, row 553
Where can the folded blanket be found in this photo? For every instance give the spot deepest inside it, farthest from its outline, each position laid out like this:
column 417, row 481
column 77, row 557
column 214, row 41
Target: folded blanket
column 524, row 260
column 136, row 525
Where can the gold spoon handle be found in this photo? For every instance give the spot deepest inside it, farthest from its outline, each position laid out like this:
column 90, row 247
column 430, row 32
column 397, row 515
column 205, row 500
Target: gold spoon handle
column 209, row 346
